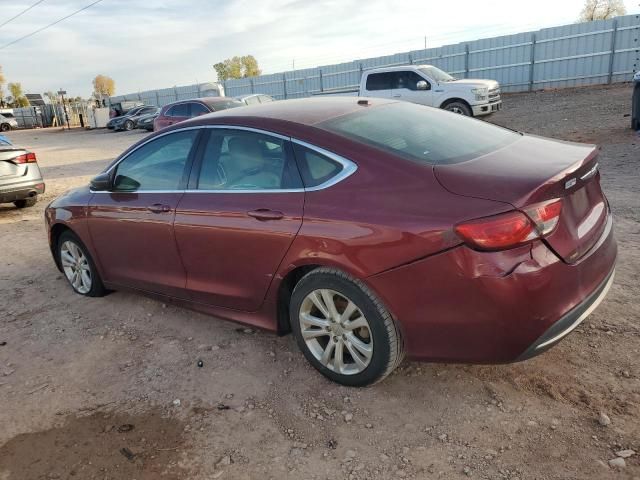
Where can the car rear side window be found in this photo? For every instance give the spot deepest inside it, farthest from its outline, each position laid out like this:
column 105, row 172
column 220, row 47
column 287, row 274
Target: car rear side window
column 156, row 165
column 315, row 168
column 241, row 160
column 380, row 81
column 422, row 134
column 179, row 110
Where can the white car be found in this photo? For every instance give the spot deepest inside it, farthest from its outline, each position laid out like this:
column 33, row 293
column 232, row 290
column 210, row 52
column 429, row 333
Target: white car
column 428, row 85
column 7, row 122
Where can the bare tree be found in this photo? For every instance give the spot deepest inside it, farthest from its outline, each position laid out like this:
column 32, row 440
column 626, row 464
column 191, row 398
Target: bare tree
column 601, row 10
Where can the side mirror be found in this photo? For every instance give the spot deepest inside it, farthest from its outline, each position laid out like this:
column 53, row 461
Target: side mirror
column 101, row 182
column 422, row 85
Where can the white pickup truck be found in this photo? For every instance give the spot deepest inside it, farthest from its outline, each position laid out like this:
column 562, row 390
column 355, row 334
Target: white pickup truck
column 428, row 85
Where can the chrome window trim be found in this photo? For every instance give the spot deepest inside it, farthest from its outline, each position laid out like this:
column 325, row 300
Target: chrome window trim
column 348, row 167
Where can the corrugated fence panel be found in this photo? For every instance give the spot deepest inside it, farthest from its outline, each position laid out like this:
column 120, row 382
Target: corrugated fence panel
column 565, row 56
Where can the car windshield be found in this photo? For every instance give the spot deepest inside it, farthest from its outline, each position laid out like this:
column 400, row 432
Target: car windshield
column 421, row 134
column 7, row 115
column 436, row 74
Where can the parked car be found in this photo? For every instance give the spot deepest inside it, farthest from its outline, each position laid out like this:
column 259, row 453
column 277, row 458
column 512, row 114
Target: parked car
column 370, row 228
column 183, row 110
column 430, row 86
column 129, row 119
column 255, row 99
column 20, row 178
column 145, row 122
column 7, row 122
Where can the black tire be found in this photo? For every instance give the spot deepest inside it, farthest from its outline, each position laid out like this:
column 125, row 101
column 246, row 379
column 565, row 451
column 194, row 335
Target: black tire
column 26, row 202
column 385, row 338
column 128, row 125
column 459, row 107
column 5, row 127
column 97, row 288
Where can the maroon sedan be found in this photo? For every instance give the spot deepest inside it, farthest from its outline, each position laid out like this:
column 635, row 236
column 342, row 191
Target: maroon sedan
column 370, row 228
column 185, row 109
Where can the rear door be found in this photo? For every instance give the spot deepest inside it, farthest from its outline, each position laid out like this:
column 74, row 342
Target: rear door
column 239, row 217
column 379, row 85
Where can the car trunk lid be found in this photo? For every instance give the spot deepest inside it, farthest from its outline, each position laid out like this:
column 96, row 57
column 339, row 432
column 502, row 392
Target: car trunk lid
column 533, row 170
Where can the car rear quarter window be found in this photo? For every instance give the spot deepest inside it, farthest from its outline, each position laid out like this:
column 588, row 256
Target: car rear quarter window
column 421, row 134
column 315, row 168
column 198, row 109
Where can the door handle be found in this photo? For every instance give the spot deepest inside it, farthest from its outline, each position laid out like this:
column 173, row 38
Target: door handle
column 265, row 214
column 159, row 208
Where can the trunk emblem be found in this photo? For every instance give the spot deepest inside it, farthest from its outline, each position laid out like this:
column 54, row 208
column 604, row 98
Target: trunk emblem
column 570, row 183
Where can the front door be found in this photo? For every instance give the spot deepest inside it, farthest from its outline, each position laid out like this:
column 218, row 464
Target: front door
column 131, row 226
column 239, row 217
column 406, row 88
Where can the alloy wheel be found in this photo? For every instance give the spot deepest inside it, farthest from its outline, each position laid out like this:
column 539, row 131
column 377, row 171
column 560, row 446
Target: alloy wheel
column 336, row 332
column 456, row 110
column 76, row 266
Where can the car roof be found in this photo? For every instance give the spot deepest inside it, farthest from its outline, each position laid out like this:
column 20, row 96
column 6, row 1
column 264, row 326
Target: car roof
column 304, row 111
column 397, row 68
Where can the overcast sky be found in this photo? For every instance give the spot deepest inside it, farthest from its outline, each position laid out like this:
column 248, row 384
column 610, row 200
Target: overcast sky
column 160, row 43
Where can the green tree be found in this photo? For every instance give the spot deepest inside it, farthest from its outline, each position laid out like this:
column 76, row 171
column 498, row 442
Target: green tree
column 237, row 67
column 19, row 100
column 103, row 86
column 601, row 10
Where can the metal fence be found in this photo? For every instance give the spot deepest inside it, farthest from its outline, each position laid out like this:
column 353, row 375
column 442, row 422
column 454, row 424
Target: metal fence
column 51, row 115
column 603, row 51
column 164, row 96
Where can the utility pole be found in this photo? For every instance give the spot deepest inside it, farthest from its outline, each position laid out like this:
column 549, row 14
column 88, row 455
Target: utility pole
column 62, row 93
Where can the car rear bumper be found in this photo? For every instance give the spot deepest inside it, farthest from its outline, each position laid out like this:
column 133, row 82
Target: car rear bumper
column 494, row 307
column 21, row 191
column 568, row 322
column 487, row 108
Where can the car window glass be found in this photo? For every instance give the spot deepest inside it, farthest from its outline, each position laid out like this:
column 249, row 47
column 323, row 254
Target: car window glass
column 239, row 160
column 380, row 81
column 147, row 110
column 157, row 165
column 252, row 100
column 265, row 99
column 198, row 109
column 179, row 110
column 315, row 168
column 408, row 80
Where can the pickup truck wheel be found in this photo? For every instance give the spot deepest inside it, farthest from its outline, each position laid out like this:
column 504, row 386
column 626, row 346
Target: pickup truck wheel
column 458, row 107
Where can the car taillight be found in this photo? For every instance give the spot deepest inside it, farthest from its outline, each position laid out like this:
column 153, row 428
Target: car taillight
column 26, row 158
column 545, row 215
column 511, row 229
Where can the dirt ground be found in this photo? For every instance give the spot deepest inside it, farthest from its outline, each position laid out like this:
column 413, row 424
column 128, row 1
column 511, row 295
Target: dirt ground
column 110, row 388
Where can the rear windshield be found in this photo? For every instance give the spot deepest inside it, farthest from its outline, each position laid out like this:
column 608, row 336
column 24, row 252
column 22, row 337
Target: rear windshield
column 423, row 134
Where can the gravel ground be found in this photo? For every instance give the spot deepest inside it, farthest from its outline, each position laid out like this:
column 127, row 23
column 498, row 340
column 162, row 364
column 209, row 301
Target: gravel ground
column 109, row 388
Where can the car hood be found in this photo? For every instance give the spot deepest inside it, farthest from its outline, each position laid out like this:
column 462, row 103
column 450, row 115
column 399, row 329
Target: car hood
column 467, row 83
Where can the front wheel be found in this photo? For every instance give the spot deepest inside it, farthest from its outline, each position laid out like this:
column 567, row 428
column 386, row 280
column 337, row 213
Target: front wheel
column 5, row 127
column 78, row 266
column 343, row 329
column 459, row 108
column 128, row 125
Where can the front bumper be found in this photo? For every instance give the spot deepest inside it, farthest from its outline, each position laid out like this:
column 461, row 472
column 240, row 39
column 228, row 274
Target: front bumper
column 486, row 108
column 462, row 305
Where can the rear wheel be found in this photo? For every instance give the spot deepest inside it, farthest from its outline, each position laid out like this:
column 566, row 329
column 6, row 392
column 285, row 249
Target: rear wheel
column 5, row 127
column 128, row 125
column 26, row 202
column 343, row 329
column 78, row 266
column 459, row 107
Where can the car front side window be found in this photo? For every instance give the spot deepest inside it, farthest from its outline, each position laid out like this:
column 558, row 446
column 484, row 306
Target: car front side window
column 157, row 165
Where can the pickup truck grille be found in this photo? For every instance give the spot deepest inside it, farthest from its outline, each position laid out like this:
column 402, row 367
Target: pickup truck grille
column 494, row 94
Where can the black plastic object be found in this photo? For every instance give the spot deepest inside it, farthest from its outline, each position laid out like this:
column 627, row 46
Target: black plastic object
column 635, row 103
